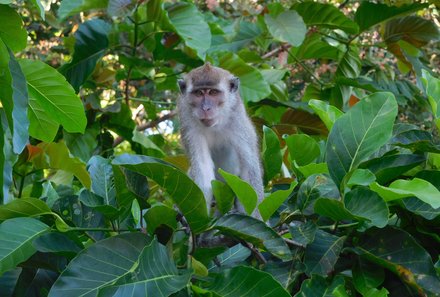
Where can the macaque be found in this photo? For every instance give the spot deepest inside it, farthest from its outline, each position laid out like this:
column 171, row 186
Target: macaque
column 216, row 131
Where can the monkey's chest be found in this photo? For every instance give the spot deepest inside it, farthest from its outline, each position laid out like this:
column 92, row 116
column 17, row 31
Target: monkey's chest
column 226, row 158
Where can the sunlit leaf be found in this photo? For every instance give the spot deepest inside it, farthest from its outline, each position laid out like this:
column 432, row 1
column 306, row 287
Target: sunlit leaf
column 286, row 27
column 326, row 112
column 243, row 190
column 23, row 207
column 12, row 33
column 303, row 149
column 271, row 203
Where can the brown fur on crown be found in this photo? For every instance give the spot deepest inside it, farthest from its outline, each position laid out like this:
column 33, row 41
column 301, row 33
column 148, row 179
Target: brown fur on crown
column 208, row 75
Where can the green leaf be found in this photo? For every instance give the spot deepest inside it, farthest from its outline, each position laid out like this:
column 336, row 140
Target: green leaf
column 190, row 24
column 185, row 193
column 416, row 140
column 272, row 158
column 12, row 32
column 361, row 177
column 312, row 169
column 317, row 286
column 20, row 101
column 287, row 27
column 304, row 121
column 151, row 149
column 303, row 233
column 160, row 214
column 325, row 15
column 412, row 29
column 82, row 145
column 130, row 185
column 314, row 187
column 246, row 281
column 367, row 276
column 244, row 191
column 51, row 99
column 100, row 265
column 231, row 257
column 369, row 13
column 326, row 112
column 55, row 242
column 244, row 33
column 99, row 203
column 23, row 207
column 91, row 43
column 322, row 254
column 389, row 167
column 156, row 275
column 400, row 188
column 350, row 64
column 101, row 173
column 271, row 203
column 59, row 158
column 365, row 203
column 255, row 232
column 40, row 7
column 253, row 87
column 314, row 47
column 224, row 196
column 420, row 208
column 432, row 90
column 16, row 236
column 359, row 133
column 397, row 251
column 71, row 7
column 333, row 209
column 303, row 149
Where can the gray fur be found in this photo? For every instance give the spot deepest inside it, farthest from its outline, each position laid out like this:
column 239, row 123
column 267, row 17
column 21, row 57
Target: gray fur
column 231, row 144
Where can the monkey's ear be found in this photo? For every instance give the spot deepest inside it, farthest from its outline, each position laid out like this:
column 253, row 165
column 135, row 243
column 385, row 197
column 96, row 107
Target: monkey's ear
column 182, row 85
column 234, row 84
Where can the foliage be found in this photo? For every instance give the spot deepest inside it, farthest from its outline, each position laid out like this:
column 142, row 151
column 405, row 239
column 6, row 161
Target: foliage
column 95, row 199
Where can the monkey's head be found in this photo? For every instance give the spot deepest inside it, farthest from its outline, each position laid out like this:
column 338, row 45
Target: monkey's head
column 209, row 93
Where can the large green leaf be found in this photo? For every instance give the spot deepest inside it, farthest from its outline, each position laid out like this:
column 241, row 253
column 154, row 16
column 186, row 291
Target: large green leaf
column 325, row 15
column 253, row 87
column 190, row 24
column 155, row 275
column 242, row 189
column 185, row 193
column 23, row 207
column 51, row 99
column 16, row 236
column 314, row 47
column 246, row 281
column 303, row 149
column 101, row 173
column 322, row 254
column 20, row 98
column 254, row 231
column 369, row 13
column 287, row 27
column 398, row 251
column 244, row 33
column 12, row 32
column 91, row 43
column 100, row 265
column 272, row 158
column 359, row 133
column 272, row 202
column 417, row 187
column 71, row 7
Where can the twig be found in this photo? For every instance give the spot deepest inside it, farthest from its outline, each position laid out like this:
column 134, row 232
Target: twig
column 292, row 242
column 155, row 122
column 260, row 258
column 304, row 66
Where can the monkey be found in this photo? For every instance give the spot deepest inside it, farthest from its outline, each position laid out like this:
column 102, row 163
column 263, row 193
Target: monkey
column 216, row 131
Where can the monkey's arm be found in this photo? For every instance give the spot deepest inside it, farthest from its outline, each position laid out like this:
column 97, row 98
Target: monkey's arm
column 202, row 166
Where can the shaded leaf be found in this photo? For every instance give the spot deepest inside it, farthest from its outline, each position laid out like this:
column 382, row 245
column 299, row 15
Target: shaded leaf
column 100, row 265
column 16, row 236
column 231, row 257
column 160, row 214
column 303, row 149
column 101, row 173
column 72, row 7
column 156, row 275
column 55, row 242
column 350, row 143
column 286, row 27
column 246, row 281
column 272, row 158
column 397, row 251
column 91, row 43
column 314, row 47
column 303, row 233
column 420, row 208
column 82, row 145
column 306, row 122
column 317, row 286
column 369, row 13
column 314, row 187
column 326, row 112
column 325, row 15
column 185, row 193
column 367, row 276
column 254, row 231
column 322, row 254
column 224, row 196
column 417, row 140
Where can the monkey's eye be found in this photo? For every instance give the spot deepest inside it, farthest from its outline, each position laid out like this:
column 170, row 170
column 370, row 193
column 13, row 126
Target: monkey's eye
column 213, row 92
column 198, row 93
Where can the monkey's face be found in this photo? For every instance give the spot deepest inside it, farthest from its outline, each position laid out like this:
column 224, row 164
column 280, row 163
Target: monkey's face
column 206, row 104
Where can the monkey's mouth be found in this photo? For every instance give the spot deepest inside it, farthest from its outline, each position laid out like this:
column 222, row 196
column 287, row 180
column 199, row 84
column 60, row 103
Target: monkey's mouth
column 208, row 122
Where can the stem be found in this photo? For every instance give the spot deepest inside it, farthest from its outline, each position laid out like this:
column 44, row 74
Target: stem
column 101, row 229
column 332, row 227
column 20, row 191
column 306, row 69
